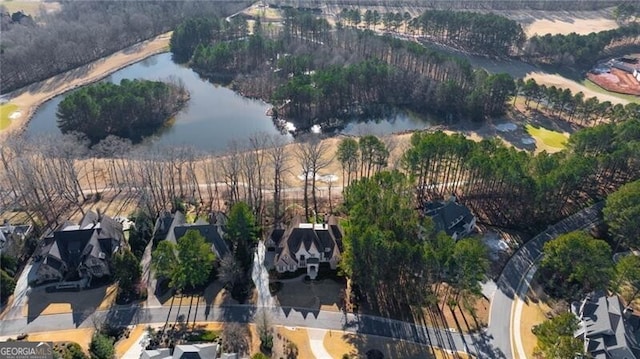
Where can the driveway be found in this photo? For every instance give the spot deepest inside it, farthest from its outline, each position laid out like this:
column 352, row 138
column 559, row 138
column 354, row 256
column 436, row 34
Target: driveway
column 519, row 270
column 21, row 293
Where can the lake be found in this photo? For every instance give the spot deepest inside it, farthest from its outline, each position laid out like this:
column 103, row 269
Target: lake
column 215, row 115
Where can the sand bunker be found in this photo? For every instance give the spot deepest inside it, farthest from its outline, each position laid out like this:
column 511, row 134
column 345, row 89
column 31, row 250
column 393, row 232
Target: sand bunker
column 15, row 114
column 328, row 178
column 319, row 177
column 506, row 127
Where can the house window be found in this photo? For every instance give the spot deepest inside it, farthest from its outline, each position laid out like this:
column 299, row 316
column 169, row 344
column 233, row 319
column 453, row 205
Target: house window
column 281, row 268
column 303, row 261
column 292, row 267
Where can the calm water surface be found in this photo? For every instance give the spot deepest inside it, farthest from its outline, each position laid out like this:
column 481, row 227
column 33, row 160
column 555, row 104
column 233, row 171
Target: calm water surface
column 214, row 115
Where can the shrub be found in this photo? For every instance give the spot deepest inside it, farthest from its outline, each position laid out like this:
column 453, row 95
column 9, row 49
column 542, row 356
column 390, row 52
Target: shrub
column 101, row 347
column 204, row 336
column 7, row 286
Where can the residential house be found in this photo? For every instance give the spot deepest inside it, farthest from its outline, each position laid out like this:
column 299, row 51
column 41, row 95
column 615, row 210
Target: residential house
column 307, row 245
column 173, row 227
column 451, row 217
column 12, row 237
column 609, row 330
column 76, row 253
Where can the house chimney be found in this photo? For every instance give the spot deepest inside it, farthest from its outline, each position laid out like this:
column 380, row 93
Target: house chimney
column 6, row 222
column 99, row 213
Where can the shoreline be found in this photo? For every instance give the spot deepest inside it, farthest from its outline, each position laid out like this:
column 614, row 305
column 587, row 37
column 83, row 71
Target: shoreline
column 30, row 98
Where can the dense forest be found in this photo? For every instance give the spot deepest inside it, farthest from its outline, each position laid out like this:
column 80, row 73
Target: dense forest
column 479, row 33
column 462, row 4
column 574, row 49
column 574, row 108
column 383, row 223
column 83, row 31
column 134, row 109
column 314, row 76
column 546, row 187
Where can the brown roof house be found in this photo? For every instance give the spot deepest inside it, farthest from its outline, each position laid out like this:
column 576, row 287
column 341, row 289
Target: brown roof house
column 76, row 253
column 306, row 245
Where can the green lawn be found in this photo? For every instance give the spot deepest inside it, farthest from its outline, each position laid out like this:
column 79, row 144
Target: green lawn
column 5, row 111
column 549, row 138
column 592, row 86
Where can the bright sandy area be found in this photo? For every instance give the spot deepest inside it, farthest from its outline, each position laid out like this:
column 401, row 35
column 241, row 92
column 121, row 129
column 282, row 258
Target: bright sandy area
column 81, row 336
column 29, row 98
column 338, row 343
column 124, row 345
column 533, row 313
column 568, row 25
column 68, row 302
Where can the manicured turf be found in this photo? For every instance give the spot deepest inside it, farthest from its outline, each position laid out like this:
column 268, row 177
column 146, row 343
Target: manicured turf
column 5, row 111
column 548, row 137
column 592, row 86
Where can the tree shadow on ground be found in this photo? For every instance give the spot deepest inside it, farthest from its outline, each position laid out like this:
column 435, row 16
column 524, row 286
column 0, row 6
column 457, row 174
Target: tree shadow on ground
column 214, row 294
column 369, row 346
column 58, row 80
column 82, row 303
column 310, row 297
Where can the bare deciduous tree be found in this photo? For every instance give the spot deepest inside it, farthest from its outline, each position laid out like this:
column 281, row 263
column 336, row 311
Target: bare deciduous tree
column 234, row 338
column 278, row 159
column 230, row 163
column 313, row 156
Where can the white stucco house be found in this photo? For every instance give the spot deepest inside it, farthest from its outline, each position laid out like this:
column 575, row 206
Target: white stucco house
column 307, row 245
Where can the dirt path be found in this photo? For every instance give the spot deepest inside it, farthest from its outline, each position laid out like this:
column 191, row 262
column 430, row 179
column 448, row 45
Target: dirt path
column 29, row 98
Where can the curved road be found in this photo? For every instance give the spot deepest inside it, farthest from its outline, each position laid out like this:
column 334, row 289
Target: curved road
column 518, row 272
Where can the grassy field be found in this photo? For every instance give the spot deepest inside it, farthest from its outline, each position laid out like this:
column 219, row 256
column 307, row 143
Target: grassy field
column 548, row 138
column 592, row 86
column 5, row 111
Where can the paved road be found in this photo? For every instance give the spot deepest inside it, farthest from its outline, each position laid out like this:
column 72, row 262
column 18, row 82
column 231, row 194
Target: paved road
column 495, row 342
column 513, row 274
column 293, row 317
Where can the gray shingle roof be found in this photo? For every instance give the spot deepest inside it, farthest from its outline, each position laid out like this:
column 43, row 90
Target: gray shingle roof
column 449, row 217
column 212, row 233
column 605, row 328
column 72, row 245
